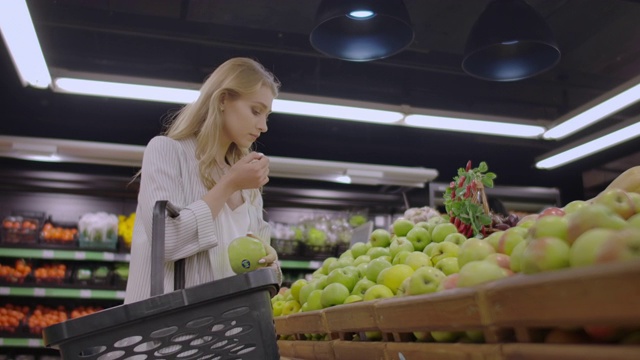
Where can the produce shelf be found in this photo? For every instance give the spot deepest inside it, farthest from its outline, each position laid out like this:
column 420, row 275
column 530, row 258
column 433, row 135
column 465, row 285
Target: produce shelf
column 312, row 322
column 62, row 293
column 569, row 352
column 21, row 342
column 360, row 350
column 345, row 320
column 65, row 254
column 300, row 264
column 429, row 351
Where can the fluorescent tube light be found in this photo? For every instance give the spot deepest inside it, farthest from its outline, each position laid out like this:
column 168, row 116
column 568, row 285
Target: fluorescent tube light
column 336, row 111
column 580, row 151
column 474, row 126
column 126, row 91
column 88, row 152
column 595, row 113
column 21, row 40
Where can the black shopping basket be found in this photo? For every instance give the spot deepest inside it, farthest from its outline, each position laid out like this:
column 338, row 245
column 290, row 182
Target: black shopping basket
column 229, row 318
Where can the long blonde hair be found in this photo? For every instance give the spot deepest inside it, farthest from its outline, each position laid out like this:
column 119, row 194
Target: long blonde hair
column 203, row 118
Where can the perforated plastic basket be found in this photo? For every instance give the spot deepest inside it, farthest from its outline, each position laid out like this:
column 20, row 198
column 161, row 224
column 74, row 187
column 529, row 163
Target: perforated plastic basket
column 229, row 318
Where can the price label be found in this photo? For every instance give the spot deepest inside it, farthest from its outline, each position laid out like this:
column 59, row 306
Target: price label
column 108, row 256
column 48, row 254
column 315, row 264
column 120, row 294
column 4, row 290
column 39, row 292
column 80, row 255
column 34, row 343
column 85, row 294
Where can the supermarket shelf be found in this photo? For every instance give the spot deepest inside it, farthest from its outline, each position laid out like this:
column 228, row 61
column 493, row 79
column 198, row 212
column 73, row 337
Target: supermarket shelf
column 65, row 254
column 300, row 264
column 62, row 293
column 21, row 342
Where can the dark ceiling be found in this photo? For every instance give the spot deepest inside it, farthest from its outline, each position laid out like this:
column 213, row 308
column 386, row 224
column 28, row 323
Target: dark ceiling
column 185, row 40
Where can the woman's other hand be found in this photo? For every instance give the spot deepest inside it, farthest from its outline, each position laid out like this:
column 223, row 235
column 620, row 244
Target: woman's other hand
column 250, row 172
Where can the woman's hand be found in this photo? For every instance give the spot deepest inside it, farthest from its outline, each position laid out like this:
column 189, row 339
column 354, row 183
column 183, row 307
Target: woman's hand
column 271, row 260
column 250, row 172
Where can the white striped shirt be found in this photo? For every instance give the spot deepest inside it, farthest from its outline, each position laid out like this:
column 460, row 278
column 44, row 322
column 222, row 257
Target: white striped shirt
column 170, row 172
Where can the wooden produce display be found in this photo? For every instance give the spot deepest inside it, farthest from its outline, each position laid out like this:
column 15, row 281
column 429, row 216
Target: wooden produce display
column 514, row 315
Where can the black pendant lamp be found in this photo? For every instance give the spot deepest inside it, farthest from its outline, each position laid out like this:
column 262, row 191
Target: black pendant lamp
column 509, row 41
column 361, row 30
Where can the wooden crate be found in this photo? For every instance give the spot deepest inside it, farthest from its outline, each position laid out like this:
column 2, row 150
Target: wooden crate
column 431, row 351
column 569, row 352
column 312, row 322
column 346, row 320
column 597, row 295
column 285, row 347
column 359, row 350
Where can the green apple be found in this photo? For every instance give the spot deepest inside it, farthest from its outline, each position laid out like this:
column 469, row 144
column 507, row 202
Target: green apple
column 634, row 221
column 494, row 238
column 417, row 259
column 340, row 263
column 591, row 217
column 445, row 249
column 478, row 272
column 291, row 307
column 377, row 291
column 441, row 231
column 604, row 245
column 362, row 268
column 392, row 277
column 425, row 280
column 635, row 198
column 244, row 253
column 358, row 249
column 551, row 225
column 455, row 238
column 515, row 259
column 422, row 224
column 448, row 265
column 373, row 335
column 502, row 260
column 618, row 201
column 475, row 336
column 326, row 263
column 400, row 257
column 437, row 220
column 380, row 238
column 429, row 248
column 423, row 336
column 403, row 290
column 277, row 297
column 362, row 259
column 544, row 254
column 574, row 205
column 512, row 237
column 277, row 307
column 362, row 286
column 419, row 237
column 402, row 226
column 473, row 249
column 399, row 244
column 376, row 252
column 347, row 276
column 296, row 286
column 446, row 336
column 375, row 267
column 346, row 255
column 353, row 298
column 305, row 290
column 334, row 294
column 527, row 221
column 449, row 282
column 314, row 300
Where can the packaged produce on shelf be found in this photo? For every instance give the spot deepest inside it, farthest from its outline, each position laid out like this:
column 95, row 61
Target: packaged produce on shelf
column 21, row 228
column 15, row 274
column 43, row 316
column 441, row 254
column 57, row 234
column 98, row 230
column 125, row 228
column 51, row 273
column 12, row 318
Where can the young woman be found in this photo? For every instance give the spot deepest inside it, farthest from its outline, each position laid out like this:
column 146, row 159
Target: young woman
column 204, row 165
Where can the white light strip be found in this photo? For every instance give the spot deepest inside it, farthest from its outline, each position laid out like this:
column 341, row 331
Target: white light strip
column 599, row 144
column 474, row 126
column 21, row 40
column 126, row 91
column 74, row 151
column 594, row 114
column 336, row 111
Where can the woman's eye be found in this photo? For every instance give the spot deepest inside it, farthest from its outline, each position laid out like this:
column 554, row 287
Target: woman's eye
column 256, row 112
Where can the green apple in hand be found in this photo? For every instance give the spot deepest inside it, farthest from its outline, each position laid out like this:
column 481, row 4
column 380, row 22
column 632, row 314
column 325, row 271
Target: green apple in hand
column 244, row 253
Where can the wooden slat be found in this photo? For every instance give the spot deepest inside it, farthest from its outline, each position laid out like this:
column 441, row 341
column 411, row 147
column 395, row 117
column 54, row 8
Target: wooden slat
column 286, row 349
column 311, row 322
column 430, row 351
column 355, row 317
column 569, row 352
column 454, row 309
column 601, row 294
column 359, row 350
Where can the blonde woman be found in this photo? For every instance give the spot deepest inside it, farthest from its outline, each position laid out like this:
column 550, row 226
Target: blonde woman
column 204, row 165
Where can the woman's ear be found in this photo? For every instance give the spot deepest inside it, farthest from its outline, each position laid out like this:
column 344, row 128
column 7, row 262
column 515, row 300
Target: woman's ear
column 222, row 101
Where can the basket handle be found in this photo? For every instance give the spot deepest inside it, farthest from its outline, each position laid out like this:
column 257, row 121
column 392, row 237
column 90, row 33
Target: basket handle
column 161, row 208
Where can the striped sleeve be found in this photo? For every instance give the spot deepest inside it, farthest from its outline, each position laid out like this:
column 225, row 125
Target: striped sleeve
column 161, row 179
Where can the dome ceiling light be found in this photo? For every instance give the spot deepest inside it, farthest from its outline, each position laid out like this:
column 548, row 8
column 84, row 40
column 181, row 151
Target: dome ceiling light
column 509, row 41
column 360, row 30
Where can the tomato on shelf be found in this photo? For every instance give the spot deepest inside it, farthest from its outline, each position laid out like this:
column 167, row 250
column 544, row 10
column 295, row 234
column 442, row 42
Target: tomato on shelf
column 50, row 273
column 44, row 316
column 58, row 234
column 15, row 274
column 12, row 317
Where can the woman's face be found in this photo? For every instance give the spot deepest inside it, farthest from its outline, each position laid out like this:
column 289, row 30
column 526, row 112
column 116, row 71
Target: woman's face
column 245, row 118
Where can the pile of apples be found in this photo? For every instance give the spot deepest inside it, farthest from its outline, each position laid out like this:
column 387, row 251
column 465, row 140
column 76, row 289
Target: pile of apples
column 432, row 256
